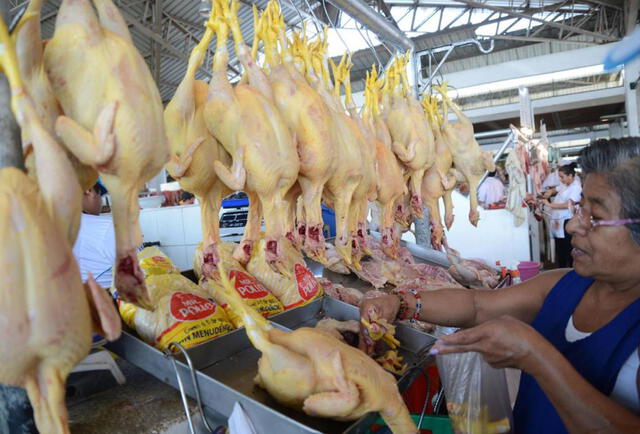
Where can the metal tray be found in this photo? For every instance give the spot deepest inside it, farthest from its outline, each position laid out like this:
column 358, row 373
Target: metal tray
column 225, row 368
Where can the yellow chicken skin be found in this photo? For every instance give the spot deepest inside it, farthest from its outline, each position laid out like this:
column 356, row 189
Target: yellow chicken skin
column 113, row 118
column 245, row 120
column 47, row 315
column 326, row 379
column 194, row 150
column 30, row 52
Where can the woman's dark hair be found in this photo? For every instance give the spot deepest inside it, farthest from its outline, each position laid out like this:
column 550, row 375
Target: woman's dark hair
column 568, row 169
column 618, row 161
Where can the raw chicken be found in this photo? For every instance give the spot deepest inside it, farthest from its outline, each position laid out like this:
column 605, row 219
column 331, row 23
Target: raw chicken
column 247, row 123
column 345, row 331
column 113, row 118
column 468, row 158
column 437, row 181
column 517, row 189
column 325, row 379
column 305, row 112
column 47, row 314
column 391, row 184
column 413, row 140
column 366, row 190
column 471, row 273
column 351, row 296
column 194, row 150
column 30, row 52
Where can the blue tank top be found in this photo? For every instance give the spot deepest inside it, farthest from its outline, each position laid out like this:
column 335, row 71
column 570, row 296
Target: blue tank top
column 598, row 357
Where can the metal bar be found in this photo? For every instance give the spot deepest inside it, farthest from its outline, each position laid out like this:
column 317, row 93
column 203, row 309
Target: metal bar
column 513, row 13
column 363, row 13
column 497, row 155
column 536, row 39
column 157, row 28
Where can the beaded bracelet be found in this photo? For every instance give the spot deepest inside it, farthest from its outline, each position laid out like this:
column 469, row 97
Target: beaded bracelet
column 418, row 297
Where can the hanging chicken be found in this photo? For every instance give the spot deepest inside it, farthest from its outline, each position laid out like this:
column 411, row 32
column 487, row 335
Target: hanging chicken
column 438, row 181
column 412, row 137
column 47, row 315
column 247, row 123
column 391, row 184
column 30, row 52
column 307, row 115
column 113, row 118
column 194, row 151
column 468, row 158
column 326, row 379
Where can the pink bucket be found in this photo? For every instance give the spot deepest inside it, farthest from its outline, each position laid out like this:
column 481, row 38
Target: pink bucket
column 528, row 269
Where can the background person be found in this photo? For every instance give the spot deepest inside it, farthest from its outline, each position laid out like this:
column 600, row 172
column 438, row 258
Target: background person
column 491, row 190
column 567, row 193
column 95, row 247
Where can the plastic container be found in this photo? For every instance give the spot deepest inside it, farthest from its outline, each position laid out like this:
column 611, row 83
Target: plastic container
column 528, row 269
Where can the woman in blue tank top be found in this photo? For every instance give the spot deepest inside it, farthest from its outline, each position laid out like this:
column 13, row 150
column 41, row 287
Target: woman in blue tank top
column 566, row 383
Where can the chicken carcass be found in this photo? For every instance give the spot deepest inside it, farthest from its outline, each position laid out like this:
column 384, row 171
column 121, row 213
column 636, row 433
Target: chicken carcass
column 307, row 115
column 113, row 118
column 47, row 314
column 413, row 141
column 246, row 121
column 326, row 379
column 391, row 184
column 194, row 150
column 437, row 181
column 468, row 158
column 30, row 52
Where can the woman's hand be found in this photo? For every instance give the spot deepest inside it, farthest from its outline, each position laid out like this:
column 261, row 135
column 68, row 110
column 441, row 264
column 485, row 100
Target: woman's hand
column 545, row 202
column 385, row 307
column 504, row 343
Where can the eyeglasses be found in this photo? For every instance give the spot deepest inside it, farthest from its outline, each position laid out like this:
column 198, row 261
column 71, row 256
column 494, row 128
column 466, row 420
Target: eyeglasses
column 578, row 212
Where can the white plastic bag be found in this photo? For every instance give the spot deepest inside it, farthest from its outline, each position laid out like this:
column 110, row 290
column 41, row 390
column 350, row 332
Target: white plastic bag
column 477, row 395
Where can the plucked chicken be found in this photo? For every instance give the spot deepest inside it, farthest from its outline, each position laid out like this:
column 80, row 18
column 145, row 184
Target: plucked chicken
column 307, row 115
column 326, row 379
column 46, row 312
column 247, row 123
column 194, row 150
column 30, row 52
column 413, row 141
column 468, row 158
column 438, row 180
column 391, row 185
column 113, row 118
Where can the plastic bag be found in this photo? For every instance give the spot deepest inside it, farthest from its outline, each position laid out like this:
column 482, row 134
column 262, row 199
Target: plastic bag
column 153, row 261
column 298, row 289
column 183, row 313
column 477, row 395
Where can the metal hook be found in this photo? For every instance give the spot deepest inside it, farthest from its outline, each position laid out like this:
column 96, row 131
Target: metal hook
column 194, row 380
column 485, row 50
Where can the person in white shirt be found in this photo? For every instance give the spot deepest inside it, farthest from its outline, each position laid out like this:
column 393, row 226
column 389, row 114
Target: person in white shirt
column 491, row 190
column 568, row 193
column 95, row 247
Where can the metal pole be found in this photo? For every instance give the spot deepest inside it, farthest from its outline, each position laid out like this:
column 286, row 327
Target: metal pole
column 497, row 155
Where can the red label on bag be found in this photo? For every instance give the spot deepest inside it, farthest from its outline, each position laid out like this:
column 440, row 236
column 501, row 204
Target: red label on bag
column 247, row 286
column 307, row 284
column 191, row 307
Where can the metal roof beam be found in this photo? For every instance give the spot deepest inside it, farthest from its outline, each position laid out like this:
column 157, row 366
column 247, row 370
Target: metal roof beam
column 537, row 39
column 513, row 13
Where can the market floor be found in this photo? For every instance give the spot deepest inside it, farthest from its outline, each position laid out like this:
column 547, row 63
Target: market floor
column 97, row 404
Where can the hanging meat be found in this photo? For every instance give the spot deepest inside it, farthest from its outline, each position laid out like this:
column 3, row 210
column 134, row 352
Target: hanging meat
column 412, row 137
column 47, row 315
column 305, row 112
column 194, row 150
column 245, row 120
column 438, row 181
column 468, row 158
column 327, row 379
column 391, row 184
column 113, row 118
column 30, row 52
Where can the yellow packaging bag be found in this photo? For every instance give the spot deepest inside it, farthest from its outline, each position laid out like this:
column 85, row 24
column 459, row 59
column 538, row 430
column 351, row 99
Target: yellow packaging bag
column 183, row 313
column 252, row 291
column 153, row 261
column 298, row 289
